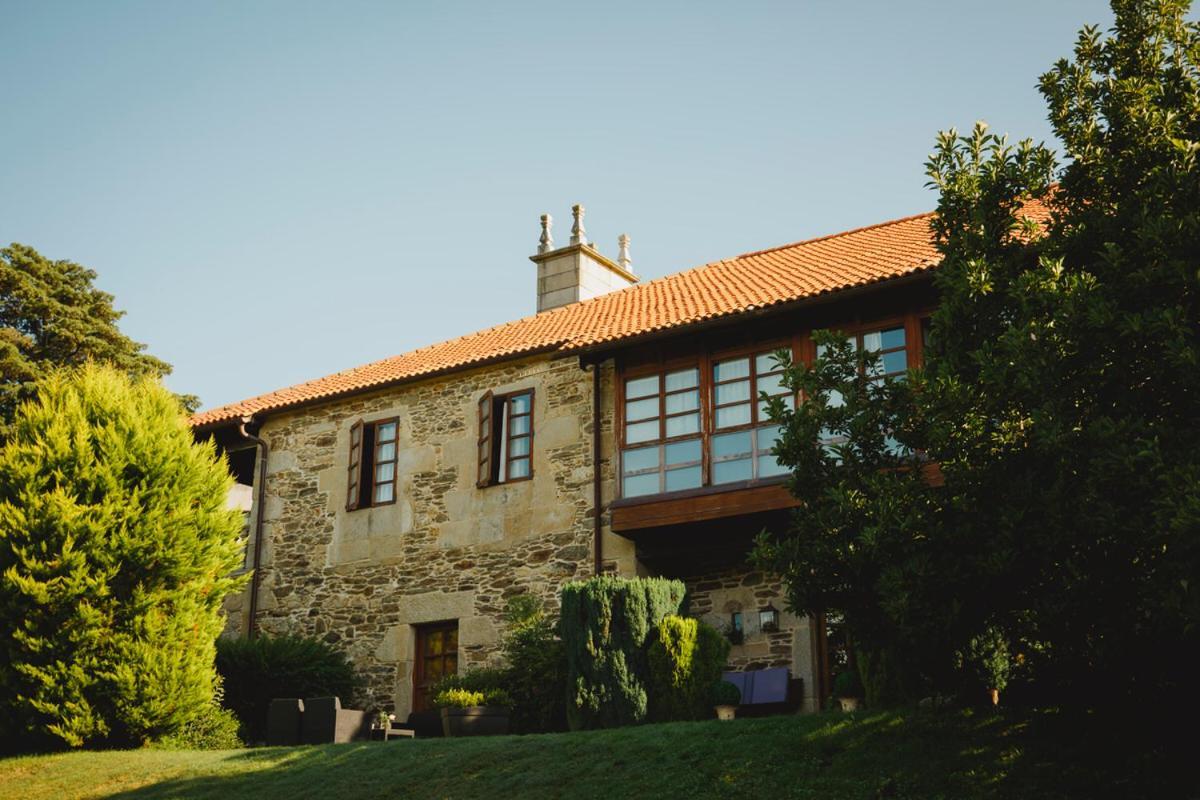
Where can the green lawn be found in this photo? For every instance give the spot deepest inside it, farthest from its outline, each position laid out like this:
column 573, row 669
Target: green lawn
column 883, row 755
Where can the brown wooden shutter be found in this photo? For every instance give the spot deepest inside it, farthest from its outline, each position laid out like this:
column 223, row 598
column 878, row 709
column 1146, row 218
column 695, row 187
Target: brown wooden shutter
column 483, row 451
column 354, row 467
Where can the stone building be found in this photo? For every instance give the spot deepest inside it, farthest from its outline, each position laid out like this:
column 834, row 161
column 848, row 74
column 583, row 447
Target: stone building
column 398, row 505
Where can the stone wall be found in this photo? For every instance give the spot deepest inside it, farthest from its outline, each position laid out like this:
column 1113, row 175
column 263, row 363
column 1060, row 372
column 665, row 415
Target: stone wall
column 716, row 596
column 446, row 550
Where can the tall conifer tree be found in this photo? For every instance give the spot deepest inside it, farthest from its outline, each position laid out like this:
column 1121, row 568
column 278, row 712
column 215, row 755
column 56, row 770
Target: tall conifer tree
column 116, row 551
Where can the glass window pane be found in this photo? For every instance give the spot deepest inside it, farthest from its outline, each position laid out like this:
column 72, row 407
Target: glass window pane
column 768, row 467
column 386, row 452
column 642, row 409
column 683, row 379
column 683, row 401
column 892, row 337
column 355, row 434
column 729, row 471
column 518, row 468
column 731, row 444
column 682, row 452
column 680, row 426
column 895, row 362
column 520, row 403
column 433, row 644
column 788, row 400
column 641, row 387
column 433, row 668
column 386, row 432
column 637, row 485
column 766, row 362
column 518, row 426
column 384, row 493
column 871, row 341
column 732, row 392
column 766, row 438
column 728, row 370
column 640, row 459
column 686, row 478
column 771, row 384
column 641, row 432
column 384, row 472
column 518, row 447
column 733, row 415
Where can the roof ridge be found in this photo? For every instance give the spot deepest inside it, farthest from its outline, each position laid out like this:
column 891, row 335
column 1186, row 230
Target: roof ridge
column 706, row 291
column 828, row 236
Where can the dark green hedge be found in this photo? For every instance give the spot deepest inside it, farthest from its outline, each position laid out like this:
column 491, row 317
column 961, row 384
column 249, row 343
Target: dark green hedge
column 604, row 628
column 686, row 660
column 258, row 670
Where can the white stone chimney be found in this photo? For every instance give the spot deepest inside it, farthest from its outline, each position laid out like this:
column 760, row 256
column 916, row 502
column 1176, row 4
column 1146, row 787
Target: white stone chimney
column 578, row 271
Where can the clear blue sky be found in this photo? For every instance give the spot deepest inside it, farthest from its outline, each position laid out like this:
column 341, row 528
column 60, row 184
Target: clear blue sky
column 276, row 191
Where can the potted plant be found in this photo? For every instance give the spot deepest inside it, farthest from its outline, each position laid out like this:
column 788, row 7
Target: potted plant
column 470, row 713
column 383, row 723
column 726, row 698
column 988, row 657
column 848, row 689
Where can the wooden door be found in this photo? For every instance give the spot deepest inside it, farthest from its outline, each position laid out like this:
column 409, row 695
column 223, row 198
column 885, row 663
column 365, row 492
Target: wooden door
column 437, row 655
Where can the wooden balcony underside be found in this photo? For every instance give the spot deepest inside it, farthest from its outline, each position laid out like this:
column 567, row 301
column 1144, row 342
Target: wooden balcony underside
column 699, row 507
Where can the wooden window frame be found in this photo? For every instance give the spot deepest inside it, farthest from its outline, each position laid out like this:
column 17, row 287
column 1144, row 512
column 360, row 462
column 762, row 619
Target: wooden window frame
column 360, row 470
column 354, row 467
column 488, row 461
column 751, row 353
column 483, row 450
column 803, row 350
column 511, row 437
column 661, row 371
column 394, row 461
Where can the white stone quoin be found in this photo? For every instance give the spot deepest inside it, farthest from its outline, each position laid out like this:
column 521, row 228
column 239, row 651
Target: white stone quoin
column 578, row 271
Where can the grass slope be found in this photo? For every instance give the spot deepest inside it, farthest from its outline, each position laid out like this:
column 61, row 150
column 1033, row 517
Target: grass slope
column 883, row 755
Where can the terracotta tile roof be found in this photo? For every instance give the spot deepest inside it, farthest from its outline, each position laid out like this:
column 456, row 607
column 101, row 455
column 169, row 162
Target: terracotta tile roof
column 736, row 285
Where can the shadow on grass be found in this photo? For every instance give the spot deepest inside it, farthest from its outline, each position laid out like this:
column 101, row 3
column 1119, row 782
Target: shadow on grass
column 868, row 756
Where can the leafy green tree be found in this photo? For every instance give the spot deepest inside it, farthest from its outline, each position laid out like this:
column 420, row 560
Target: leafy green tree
column 1060, row 399
column 51, row 315
column 116, row 551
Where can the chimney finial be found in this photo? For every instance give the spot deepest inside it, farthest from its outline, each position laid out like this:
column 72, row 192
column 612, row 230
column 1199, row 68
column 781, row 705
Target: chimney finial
column 546, row 243
column 578, row 234
column 623, row 259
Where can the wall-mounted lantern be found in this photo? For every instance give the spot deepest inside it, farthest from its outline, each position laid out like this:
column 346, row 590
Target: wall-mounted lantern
column 768, row 618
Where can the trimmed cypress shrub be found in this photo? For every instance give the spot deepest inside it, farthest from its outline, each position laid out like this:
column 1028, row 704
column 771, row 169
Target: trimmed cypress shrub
column 116, row 551
column 604, row 626
column 258, row 670
column 686, row 659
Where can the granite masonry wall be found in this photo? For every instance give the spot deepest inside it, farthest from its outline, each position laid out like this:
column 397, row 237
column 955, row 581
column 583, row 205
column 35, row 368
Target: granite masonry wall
column 449, row 550
column 715, row 597
column 446, row 550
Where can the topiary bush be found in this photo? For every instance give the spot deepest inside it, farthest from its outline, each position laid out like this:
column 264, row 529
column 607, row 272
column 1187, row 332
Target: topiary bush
column 258, row 670
column 686, row 657
column 604, row 627
column 116, row 552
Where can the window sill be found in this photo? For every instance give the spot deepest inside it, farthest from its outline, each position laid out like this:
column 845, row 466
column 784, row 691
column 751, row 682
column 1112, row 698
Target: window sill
column 701, row 491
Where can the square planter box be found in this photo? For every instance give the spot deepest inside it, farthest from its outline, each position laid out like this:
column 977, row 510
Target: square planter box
column 475, row 721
